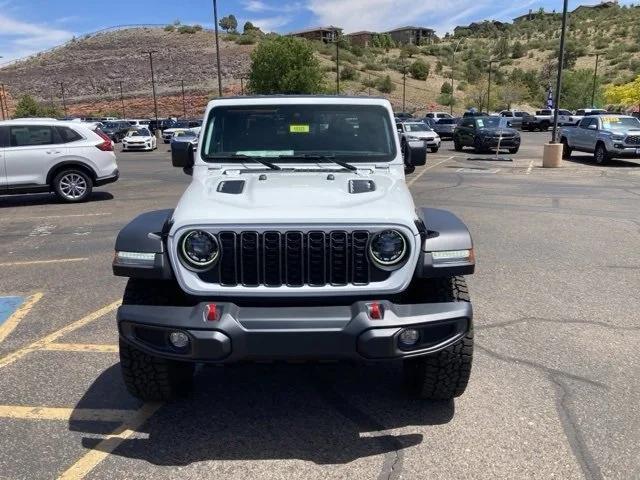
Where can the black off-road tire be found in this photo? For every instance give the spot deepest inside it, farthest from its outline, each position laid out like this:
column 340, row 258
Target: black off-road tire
column 457, row 146
column 435, row 149
column 601, row 156
column 566, row 149
column 478, row 146
column 445, row 374
column 513, row 151
column 147, row 377
column 544, row 126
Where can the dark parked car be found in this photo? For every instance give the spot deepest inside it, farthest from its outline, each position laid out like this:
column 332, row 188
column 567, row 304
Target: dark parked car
column 474, row 114
column 445, row 127
column 117, row 130
column 485, row 133
column 162, row 124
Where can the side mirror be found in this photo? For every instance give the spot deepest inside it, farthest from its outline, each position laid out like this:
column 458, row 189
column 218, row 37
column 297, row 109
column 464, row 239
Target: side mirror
column 509, row 124
column 592, row 126
column 182, row 156
column 416, row 153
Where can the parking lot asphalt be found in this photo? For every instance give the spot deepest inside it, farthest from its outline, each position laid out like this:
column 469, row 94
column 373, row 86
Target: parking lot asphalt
column 554, row 391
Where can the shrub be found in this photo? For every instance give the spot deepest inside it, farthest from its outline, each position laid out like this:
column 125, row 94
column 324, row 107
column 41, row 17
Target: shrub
column 169, row 28
column 376, row 67
column 517, row 50
column 419, row 70
column 446, row 88
column 347, row 72
column 187, row 29
column 357, row 50
column 385, row 85
column 245, row 39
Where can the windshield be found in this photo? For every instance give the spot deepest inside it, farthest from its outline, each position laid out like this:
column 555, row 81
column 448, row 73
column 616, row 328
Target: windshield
column 357, row 133
column 180, row 124
column 416, row 127
column 614, row 122
column 491, row 122
column 111, row 125
column 143, row 132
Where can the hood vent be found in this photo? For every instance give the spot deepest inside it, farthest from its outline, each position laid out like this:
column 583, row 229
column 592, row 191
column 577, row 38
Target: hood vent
column 234, row 187
column 361, row 186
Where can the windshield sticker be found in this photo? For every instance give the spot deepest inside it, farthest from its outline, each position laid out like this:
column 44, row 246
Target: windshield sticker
column 298, row 128
column 480, row 123
column 264, row 153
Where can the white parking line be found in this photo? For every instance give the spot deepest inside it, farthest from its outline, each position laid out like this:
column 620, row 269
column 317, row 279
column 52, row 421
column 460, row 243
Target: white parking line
column 22, row 219
column 415, row 179
column 43, row 262
column 530, row 167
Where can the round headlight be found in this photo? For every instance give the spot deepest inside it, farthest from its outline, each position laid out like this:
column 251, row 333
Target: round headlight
column 388, row 248
column 199, row 249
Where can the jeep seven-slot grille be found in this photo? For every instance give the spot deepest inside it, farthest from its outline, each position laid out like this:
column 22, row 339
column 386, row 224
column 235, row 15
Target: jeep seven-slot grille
column 294, row 259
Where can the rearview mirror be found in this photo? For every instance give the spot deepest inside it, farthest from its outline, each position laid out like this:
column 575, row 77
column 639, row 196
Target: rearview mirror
column 182, row 156
column 416, row 152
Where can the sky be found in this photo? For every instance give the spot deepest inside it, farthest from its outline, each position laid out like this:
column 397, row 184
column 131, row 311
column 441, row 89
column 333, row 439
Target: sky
column 29, row 26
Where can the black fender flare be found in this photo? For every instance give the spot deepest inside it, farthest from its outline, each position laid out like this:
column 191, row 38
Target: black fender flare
column 441, row 230
column 145, row 234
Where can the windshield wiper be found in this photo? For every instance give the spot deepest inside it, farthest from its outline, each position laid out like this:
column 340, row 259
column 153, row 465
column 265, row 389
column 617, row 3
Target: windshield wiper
column 237, row 156
column 330, row 158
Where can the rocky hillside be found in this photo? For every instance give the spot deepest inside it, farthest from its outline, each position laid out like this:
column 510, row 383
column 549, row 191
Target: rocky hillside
column 91, row 68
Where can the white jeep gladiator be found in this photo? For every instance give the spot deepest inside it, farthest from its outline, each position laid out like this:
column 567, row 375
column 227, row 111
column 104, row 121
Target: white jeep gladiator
column 297, row 240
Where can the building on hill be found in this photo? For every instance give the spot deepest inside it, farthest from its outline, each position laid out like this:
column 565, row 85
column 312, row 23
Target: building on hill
column 363, row 38
column 527, row 17
column 600, row 6
column 323, row 34
column 413, row 35
column 480, row 27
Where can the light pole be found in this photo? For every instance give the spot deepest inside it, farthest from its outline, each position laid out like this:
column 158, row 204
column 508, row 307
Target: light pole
column 2, row 102
column 404, row 87
column 122, row 100
column 184, row 103
column 4, row 96
column 490, row 62
column 153, row 84
column 453, row 60
column 337, row 41
column 215, row 24
column 595, row 76
column 64, row 101
column 560, row 67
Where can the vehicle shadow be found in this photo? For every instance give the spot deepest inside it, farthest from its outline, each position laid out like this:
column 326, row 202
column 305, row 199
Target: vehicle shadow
column 327, row 414
column 35, row 199
column 588, row 160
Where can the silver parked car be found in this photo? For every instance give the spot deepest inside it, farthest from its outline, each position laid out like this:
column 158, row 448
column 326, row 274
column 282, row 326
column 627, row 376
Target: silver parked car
column 445, row 127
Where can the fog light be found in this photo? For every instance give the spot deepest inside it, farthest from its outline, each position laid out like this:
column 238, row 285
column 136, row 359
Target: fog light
column 179, row 339
column 409, row 337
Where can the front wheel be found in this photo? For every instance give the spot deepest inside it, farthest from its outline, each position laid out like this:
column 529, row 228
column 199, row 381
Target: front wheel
column 477, row 146
column 435, row 149
column 72, row 186
column 566, row 149
column 445, row 374
column 601, row 155
column 513, row 151
column 457, row 146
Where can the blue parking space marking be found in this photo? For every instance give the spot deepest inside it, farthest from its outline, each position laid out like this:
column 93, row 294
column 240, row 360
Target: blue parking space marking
column 8, row 305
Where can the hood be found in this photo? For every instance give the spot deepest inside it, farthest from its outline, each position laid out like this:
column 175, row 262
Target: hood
column 296, row 198
column 427, row 134
column 142, row 138
column 499, row 131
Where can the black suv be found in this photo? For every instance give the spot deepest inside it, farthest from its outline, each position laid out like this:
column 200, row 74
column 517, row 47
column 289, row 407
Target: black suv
column 116, row 130
column 486, row 133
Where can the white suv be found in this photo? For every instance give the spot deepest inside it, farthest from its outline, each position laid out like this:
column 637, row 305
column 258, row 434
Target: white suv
column 68, row 158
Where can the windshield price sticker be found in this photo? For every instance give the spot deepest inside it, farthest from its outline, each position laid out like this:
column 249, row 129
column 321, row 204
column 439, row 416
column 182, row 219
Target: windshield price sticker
column 298, row 128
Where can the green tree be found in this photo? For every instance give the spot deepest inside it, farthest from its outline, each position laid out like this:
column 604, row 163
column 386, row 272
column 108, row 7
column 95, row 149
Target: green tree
column 446, row 88
column 419, row 70
column 248, row 27
column 409, row 50
column 27, row 107
column 446, row 99
column 577, row 87
column 285, row 65
column 228, row 23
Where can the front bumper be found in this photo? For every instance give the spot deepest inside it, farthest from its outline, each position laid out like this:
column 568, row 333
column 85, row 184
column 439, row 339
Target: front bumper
column 491, row 142
column 625, row 151
column 293, row 333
